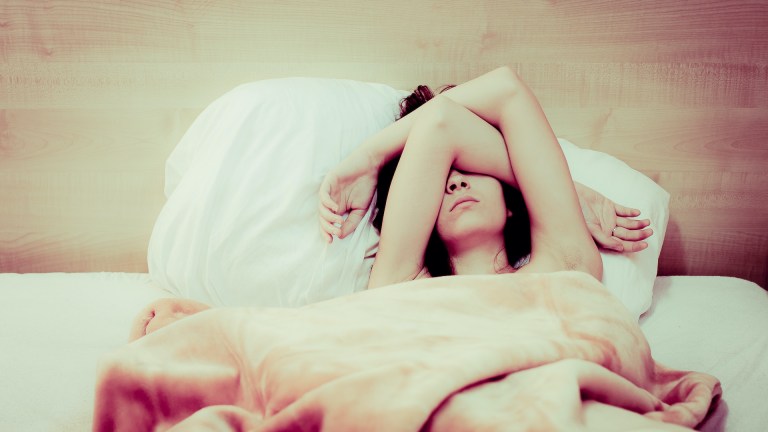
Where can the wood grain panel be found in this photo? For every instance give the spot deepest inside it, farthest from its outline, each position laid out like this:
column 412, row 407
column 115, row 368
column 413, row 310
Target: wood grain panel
column 161, row 85
column 344, row 31
column 76, row 215
column 74, row 140
column 723, row 252
column 78, row 179
column 81, row 200
column 661, row 140
column 73, row 251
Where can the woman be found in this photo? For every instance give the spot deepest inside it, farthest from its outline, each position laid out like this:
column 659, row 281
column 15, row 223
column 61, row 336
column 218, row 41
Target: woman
column 455, row 154
column 553, row 350
column 465, row 161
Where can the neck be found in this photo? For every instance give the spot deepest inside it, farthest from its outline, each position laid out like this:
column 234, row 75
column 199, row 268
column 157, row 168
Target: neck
column 481, row 257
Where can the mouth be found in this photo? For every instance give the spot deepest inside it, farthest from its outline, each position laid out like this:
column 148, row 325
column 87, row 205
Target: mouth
column 462, row 200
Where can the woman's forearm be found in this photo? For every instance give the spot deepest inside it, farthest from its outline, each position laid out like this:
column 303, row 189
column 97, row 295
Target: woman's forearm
column 442, row 136
column 389, row 142
column 483, row 96
column 446, row 135
column 545, row 181
column 411, row 212
column 534, row 161
column 482, row 151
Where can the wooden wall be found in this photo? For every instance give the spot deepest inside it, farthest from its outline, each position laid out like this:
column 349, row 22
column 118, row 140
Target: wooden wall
column 94, row 95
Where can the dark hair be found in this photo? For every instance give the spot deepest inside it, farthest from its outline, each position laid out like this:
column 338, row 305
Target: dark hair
column 517, row 229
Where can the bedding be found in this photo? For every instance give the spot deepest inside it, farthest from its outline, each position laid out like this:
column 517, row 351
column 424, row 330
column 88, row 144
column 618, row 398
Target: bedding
column 715, row 325
column 57, row 326
column 460, row 353
column 241, row 187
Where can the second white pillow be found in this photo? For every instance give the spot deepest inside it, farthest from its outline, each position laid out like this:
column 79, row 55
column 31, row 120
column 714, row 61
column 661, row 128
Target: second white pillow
column 629, row 276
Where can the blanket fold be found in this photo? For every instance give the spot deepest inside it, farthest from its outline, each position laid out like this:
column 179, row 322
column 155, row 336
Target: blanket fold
column 509, row 352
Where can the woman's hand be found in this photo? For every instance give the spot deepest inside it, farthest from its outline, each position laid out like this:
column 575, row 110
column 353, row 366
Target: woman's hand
column 610, row 223
column 347, row 189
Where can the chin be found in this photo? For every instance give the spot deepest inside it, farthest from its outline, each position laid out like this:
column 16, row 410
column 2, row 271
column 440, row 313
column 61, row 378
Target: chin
column 467, row 232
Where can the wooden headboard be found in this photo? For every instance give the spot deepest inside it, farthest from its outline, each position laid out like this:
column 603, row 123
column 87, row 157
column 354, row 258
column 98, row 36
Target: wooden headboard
column 94, row 96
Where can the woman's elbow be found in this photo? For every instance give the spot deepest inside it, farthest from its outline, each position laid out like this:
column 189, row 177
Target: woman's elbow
column 507, row 82
column 437, row 124
column 438, row 113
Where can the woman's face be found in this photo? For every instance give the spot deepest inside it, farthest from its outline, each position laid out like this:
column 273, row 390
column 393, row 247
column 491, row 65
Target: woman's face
column 473, row 205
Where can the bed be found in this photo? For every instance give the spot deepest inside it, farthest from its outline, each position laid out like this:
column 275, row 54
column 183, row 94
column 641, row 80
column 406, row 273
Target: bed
column 96, row 102
column 52, row 369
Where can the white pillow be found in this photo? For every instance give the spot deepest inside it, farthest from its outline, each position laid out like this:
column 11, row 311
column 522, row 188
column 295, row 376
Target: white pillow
column 629, row 276
column 240, row 225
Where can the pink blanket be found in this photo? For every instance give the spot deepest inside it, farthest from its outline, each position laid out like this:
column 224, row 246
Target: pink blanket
column 512, row 352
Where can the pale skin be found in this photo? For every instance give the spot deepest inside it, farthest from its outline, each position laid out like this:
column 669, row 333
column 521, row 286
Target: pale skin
column 489, row 127
column 459, row 147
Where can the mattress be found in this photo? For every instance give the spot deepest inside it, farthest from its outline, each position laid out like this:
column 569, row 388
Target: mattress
column 56, row 326
column 717, row 325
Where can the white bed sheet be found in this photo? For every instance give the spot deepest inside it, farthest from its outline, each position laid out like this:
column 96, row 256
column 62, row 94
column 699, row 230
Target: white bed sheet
column 56, row 326
column 717, row 325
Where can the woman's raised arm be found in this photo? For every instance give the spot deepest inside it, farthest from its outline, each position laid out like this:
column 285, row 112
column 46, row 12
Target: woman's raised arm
column 484, row 96
column 559, row 235
column 461, row 128
column 440, row 139
column 349, row 187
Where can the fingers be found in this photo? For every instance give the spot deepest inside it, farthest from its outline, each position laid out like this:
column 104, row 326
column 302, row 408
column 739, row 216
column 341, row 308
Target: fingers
column 329, row 216
column 329, row 228
column 631, row 232
column 605, row 240
column 631, row 247
column 326, row 200
column 626, row 211
column 351, row 223
column 632, row 240
column 627, row 236
column 329, row 221
column 632, row 224
column 599, row 383
column 334, row 225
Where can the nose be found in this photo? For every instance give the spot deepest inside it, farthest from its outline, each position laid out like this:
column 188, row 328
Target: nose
column 456, row 182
